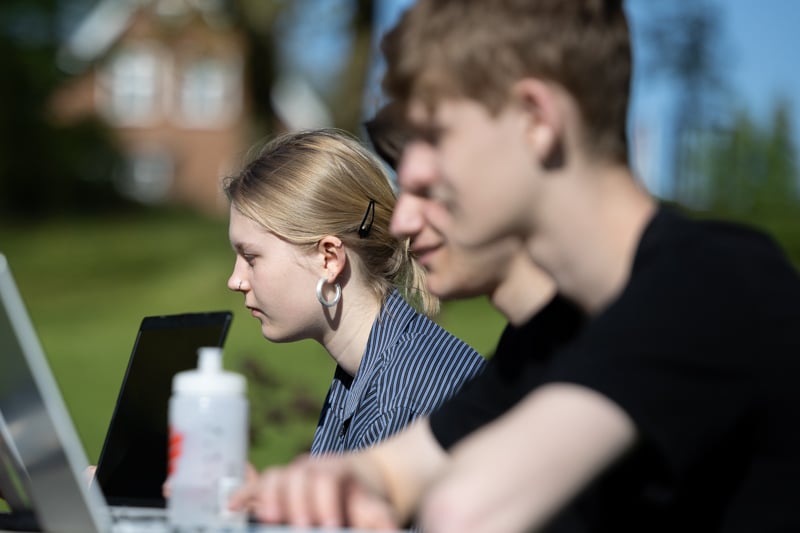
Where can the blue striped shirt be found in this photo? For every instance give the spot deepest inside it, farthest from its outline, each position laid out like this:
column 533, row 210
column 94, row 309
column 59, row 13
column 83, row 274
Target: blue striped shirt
column 410, row 366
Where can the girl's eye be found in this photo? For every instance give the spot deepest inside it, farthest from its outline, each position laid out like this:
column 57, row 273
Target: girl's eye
column 249, row 259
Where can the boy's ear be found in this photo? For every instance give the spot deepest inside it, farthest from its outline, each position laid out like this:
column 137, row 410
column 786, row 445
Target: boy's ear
column 334, row 258
column 545, row 118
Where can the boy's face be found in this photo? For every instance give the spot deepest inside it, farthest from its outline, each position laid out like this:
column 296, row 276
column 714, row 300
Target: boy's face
column 478, row 168
column 452, row 270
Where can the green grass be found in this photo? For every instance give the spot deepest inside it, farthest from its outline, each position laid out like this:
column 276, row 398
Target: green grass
column 87, row 283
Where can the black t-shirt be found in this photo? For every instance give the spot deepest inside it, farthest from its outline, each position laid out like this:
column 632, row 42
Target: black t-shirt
column 702, row 350
column 519, row 360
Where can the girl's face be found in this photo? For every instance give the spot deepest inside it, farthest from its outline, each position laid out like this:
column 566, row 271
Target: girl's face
column 278, row 281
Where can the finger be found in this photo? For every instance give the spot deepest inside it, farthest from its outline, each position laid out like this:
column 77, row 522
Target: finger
column 267, row 502
column 326, row 496
column 366, row 510
column 296, row 494
column 250, row 474
column 240, row 499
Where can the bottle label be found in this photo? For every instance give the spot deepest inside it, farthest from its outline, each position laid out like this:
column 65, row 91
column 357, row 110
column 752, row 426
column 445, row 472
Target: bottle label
column 174, row 448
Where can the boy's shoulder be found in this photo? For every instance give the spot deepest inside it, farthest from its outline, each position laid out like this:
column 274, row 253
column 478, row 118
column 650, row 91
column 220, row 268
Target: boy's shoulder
column 707, row 244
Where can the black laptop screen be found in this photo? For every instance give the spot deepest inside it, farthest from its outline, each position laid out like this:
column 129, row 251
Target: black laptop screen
column 133, row 463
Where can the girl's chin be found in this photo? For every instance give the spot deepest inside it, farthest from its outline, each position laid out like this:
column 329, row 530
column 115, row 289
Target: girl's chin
column 274, row 336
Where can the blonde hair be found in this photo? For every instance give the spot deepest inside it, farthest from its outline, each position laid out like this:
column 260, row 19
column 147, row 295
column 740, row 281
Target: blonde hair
column 305, row 185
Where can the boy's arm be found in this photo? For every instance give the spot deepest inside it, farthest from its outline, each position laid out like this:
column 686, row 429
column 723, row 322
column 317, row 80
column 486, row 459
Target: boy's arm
column 518, row 472
column 378, row 488
column 406, row 465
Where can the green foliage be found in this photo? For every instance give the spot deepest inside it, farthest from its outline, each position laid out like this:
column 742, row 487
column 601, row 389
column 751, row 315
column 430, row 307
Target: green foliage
column 88, row 281
column 44, row 167
column 753, row 176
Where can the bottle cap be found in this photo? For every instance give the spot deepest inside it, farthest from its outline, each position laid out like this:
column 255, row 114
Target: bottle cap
column 209, row 378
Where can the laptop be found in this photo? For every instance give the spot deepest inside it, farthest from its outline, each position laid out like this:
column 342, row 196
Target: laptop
column 42, row 461
column 133, row 460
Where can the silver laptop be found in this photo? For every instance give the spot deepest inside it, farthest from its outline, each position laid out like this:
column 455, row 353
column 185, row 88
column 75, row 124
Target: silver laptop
column 43, row 460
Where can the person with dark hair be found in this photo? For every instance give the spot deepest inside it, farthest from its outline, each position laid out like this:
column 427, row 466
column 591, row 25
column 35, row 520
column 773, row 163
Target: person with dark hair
column 388, row 133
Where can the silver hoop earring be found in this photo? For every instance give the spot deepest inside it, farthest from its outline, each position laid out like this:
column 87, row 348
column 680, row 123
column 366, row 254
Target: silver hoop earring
column 336, row 297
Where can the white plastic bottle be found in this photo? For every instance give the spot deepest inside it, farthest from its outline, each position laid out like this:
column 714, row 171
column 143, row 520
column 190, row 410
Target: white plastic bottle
column 208, row 414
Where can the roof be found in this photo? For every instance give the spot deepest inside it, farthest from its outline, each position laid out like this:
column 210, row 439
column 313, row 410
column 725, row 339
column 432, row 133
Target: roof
column 109, row 19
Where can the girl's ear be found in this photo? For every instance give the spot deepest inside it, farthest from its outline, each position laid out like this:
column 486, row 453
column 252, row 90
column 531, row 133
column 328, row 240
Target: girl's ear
column 545, row 129
column 334, row 258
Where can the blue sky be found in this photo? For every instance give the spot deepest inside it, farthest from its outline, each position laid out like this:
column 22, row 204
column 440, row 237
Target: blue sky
column 756, row 55
column 764, row 35
column 757, row 40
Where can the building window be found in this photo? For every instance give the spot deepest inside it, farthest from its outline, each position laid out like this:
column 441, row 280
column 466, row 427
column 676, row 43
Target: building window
column 209, row 93
column 130, row 87
column 147, row 176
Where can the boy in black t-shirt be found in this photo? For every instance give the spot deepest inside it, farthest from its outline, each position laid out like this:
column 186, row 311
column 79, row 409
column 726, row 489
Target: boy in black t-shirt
column 674, row 407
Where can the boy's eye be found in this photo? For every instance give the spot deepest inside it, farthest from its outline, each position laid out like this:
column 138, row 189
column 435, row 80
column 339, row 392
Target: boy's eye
column 429, row 134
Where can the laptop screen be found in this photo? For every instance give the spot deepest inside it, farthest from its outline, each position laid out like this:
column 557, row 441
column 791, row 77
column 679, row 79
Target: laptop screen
column 133, row 463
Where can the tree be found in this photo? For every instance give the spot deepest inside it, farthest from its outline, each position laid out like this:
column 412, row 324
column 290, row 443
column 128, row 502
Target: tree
column 753, row 176
column 270, row 24
column 686, row 39
column 44, row 167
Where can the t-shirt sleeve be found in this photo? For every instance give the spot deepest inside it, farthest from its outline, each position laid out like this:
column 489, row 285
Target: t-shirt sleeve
column 673, row 352
column 515, row 368
column 475, row 405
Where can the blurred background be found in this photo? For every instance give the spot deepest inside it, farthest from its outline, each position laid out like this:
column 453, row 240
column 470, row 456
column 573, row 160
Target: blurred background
column 119, row 117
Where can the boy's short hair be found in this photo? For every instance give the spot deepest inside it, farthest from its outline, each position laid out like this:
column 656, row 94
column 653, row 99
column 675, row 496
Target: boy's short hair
column 478, row 49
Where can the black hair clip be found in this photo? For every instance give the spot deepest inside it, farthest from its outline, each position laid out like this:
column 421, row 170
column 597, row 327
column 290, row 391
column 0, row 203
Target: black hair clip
column 366, row 222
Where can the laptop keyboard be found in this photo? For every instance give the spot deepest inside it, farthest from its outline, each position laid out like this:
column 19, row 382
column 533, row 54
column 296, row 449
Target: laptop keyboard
column 139, row 520
column 140, row 525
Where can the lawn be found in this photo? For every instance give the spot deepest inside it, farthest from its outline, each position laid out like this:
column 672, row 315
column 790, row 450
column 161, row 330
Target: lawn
column 87, row 283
